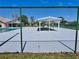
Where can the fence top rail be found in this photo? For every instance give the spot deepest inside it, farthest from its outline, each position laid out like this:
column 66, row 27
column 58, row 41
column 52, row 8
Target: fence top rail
column 39, row 6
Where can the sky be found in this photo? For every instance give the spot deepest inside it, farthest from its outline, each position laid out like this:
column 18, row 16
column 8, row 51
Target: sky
column 68, row 14
column 38, row 2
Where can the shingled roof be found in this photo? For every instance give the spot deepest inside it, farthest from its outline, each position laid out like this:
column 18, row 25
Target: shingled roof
column 4, row 20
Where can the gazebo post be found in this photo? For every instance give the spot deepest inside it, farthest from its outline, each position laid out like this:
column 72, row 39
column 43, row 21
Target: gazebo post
column 53, row 25
column 49, row 25
column 39, row 25
column 58, row 25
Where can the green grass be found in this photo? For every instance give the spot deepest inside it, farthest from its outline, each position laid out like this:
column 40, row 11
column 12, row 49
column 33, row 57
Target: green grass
column 40, row 56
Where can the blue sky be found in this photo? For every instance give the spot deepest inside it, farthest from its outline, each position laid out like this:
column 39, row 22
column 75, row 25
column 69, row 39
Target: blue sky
column 68, row 14
column 38, row 2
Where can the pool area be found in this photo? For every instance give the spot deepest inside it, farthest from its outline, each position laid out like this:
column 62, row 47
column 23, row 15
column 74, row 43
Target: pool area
column 8, row 29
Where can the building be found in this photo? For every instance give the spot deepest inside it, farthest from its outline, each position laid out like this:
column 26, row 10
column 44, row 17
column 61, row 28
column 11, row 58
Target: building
column 14, row 23
column 4, row 22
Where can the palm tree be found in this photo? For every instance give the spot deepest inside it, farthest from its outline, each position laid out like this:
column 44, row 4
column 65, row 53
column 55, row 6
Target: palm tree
column 32, row 20
column 23, row 19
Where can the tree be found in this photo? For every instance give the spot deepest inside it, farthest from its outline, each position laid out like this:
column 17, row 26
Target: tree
column 32, row 20
column 63, row 21
column 23, row 19
column 61, row 18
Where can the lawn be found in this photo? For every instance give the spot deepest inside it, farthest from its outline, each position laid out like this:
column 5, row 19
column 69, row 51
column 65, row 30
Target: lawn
column 40, row 56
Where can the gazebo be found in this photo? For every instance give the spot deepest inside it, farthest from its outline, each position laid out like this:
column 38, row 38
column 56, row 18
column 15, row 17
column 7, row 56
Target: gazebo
column 50, row 19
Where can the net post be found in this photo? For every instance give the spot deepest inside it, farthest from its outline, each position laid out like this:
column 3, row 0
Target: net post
column 76, row 37
column 21, row 37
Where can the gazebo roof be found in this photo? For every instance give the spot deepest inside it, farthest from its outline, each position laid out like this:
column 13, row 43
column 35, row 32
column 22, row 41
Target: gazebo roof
column 49, row 18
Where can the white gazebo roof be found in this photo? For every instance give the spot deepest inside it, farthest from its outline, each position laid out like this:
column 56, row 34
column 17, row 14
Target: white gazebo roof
column 50, row 18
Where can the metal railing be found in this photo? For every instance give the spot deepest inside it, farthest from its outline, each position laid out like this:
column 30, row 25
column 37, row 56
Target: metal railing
column 21, row 7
